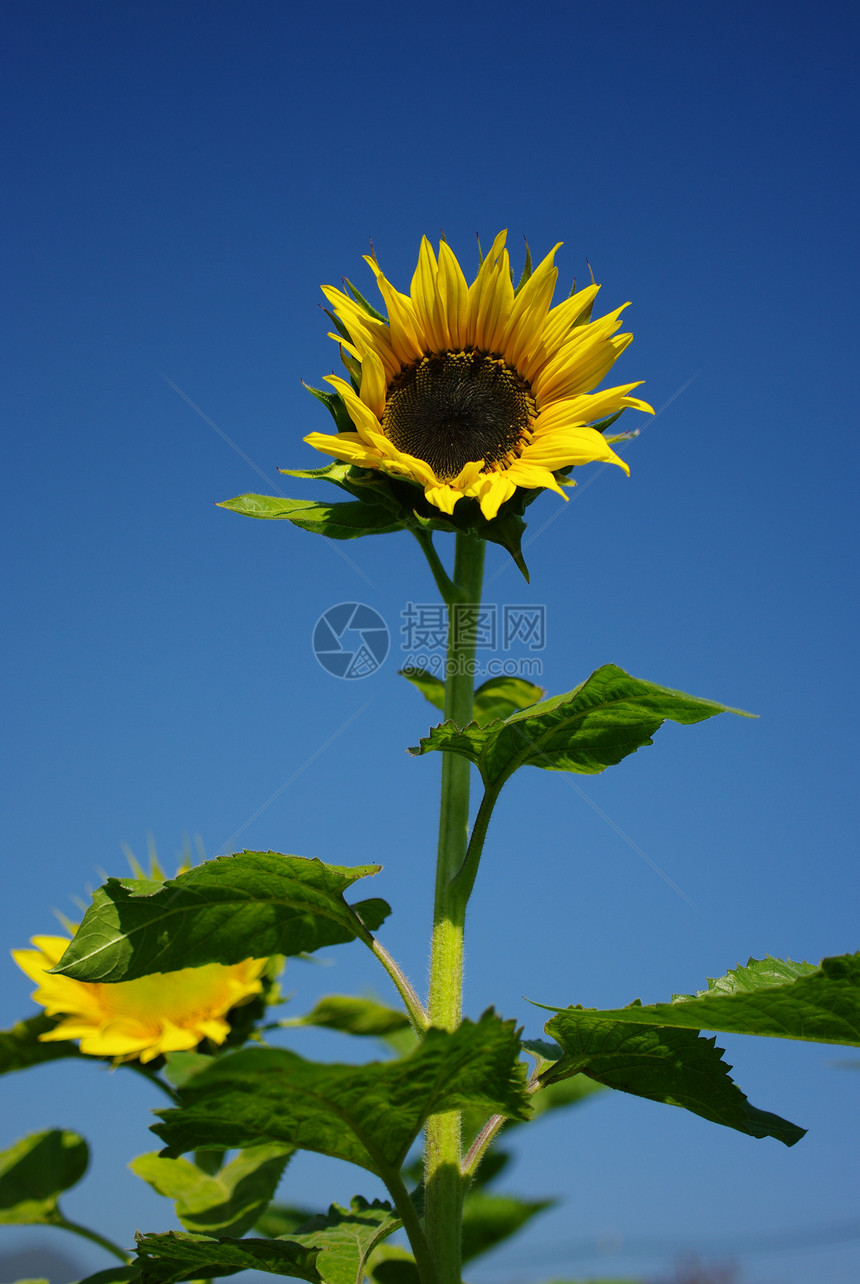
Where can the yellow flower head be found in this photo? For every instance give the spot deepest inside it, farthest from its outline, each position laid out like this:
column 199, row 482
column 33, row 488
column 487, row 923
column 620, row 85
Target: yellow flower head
column 139, row 1020
column 475, row 390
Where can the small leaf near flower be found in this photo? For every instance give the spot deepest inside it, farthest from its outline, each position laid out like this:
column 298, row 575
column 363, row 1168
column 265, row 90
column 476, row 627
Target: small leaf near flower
column 215, row 912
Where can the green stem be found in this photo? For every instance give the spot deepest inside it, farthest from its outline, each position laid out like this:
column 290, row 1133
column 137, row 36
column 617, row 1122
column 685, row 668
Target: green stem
column 464, row 879
column 481, row 1145
column 442, row 1179
column 93, row 1236
column 411, row 1001
column 444, row 583
column 412, row 1226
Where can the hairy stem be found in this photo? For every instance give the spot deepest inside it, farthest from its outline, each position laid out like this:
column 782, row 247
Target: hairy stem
column 412, row 1226
column 481, row 1144
column 412, row 1003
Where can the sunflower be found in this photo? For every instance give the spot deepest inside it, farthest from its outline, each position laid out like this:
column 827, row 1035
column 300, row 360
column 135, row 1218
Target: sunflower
column 475, row 390
column 139, row 1020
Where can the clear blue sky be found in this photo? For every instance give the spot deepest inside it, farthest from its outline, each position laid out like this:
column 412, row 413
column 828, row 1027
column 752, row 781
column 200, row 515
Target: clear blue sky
column 180, row 180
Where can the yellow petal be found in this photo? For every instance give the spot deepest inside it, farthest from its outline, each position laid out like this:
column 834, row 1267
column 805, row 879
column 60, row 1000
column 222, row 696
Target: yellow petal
column 425, row 298
column 443, row 496
column 454, row 294
column 568, row 446
column 527, row 317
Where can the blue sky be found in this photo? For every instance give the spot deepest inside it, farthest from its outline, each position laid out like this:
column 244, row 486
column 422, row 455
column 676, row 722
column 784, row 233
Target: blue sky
column 181, row 181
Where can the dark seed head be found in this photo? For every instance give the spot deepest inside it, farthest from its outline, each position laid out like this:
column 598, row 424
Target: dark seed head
column 461, row 406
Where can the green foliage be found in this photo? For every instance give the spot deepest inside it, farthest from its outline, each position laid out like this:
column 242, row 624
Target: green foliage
column 336, row 407
column 353, row 1015
column 495, row 698
column 500, row 697
column 281, row 1220
column 163, row 1259
column 593, row 727
column 369, row 1115
column 228, row 1202
column 337, row 521
column 115, row 1274
column 431, row 687
column 391, row 1264
column 767, row 997
column 488, row 1219
column 179, row 1067
column 217, row 912
column 667, row 1060
column 20, row 1047
column 35, row 1172
column 366, row 484
column 346, row 1237
column 678, row 1067
column 571, row 1091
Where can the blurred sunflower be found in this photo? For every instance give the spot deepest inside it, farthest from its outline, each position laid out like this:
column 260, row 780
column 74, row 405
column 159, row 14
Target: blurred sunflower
column 139, row 1020
column 475, row 390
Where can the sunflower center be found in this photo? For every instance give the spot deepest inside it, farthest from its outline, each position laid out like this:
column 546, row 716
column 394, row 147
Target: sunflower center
column 455, row 408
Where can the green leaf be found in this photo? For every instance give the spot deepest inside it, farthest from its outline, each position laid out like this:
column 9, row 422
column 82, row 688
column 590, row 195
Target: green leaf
column 336, row 472
column 179, row 1067
column 392, row 1264
column 678, row 1067
column 489, row 1219
column 34, row 1173
column 367, row 484
column 336, row 406
column 369, row 1115
column 527, row 270
column 507, row 530
column 353, row 1015
column 346, row 1237
column 494, row 699
column 20, row 1047
column 499, row 697
column 223, row 911
column 228, row 1203
column 280, row 1220
column 368, row 307
column 566, row 1092
column 164, row 1259
column 337, row 521
column 593, row 727
column 431, row 687
column 767, row 997
column 113, row 1275
column 602, row 426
